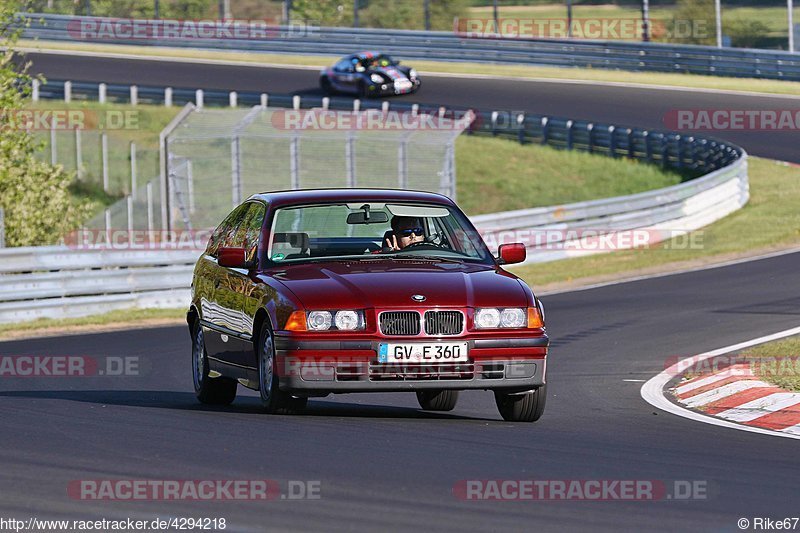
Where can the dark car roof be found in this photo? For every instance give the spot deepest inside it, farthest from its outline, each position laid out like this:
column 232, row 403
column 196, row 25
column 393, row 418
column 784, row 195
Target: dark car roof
column 302, row 196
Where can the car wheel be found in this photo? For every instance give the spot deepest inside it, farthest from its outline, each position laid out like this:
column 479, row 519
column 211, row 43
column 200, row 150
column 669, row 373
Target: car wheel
column 443, row 400
column 273, row 399
column 212, row 391
column 526, row 407
column 325, row 85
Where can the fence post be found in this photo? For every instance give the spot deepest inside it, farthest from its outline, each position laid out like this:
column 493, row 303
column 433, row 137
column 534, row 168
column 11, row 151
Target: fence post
column 102, row 91
column 349, row 159
column 133, row 168
column 2, row 228
column 402, row 162
column 190, row 185
column 35, row 90
column 134, row 95
column 236, row 173
column 107, row 220
column 104, row 155
column 67, row 92
column 53, row 146
column 150, row 209
column 129, row 201
column 78, row 154
column 168, row 97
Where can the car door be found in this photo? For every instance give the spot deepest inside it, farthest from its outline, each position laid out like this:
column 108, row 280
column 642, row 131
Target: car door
column 345, row 76
column 220, row 321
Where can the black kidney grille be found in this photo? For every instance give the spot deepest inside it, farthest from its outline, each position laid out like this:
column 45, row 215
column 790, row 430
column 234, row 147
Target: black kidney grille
column 400, row 323
column 443, row 322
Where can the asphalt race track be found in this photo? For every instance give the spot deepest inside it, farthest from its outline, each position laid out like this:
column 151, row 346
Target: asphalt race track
column 384, row 464
column 624, row 106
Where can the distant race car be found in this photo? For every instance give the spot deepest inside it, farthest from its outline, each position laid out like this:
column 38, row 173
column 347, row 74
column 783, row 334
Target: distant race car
column 369, row 74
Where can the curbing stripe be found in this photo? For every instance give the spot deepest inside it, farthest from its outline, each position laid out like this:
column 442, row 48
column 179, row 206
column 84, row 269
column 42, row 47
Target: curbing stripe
column 723, row 392
column 763, row 406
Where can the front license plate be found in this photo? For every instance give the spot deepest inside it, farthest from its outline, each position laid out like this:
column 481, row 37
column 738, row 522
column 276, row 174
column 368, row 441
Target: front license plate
column 439, row 352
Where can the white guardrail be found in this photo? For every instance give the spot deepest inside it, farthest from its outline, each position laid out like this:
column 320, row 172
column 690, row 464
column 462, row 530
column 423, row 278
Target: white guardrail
column 60, row 282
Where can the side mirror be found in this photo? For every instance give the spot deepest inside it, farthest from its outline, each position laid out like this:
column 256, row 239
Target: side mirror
column 512, row 253
column 233, row 258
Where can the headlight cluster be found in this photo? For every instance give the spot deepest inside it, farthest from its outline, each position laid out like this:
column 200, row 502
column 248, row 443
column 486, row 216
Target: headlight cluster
column 345, row 320
column 509, row 317
column 376, row 78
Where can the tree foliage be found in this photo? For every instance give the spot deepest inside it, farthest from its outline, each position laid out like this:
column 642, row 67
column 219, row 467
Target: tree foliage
column 34, row 195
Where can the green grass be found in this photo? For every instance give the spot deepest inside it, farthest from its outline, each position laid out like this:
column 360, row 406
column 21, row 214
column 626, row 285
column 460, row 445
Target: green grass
column 429, row 67
column 781, row 362
column 500, row 175
column 112, row 319
column 770, row 221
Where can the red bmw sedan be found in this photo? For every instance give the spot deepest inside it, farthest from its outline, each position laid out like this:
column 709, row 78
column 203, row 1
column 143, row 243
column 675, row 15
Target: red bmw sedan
column 305, row 293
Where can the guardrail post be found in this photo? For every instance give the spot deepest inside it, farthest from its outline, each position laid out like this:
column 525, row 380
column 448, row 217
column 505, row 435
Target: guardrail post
column 664, row 151
column 129, row 201
column 104, row 156
column 133, row 168
column 648, row 150
column 356, row 105
column 326, row 102
column 590, row 141
column 296, row 102
column 67, row 92
column 384, row 107
column 198, row 98
column 442, row 111
column 78, row 154
column 264, row 100
column 570, row 127
column 521, row 128
column 494, row 123
column 350, row 159
column 415, row 110
column 679, row 150
column 233, row 99
column 631, row 147
column 190, row 185
column 134, row 95
column 53, row 145
column 545, row 130
column 612, row 141
column 35, row 90
column 168, row 97
column 149, row 189
column 102, row 91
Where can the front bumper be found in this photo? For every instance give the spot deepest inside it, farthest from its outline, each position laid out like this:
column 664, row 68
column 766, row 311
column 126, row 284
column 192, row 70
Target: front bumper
column 388, row 88
column 320, row 367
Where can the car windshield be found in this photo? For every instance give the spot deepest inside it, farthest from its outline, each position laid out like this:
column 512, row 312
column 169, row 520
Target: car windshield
column 379, row 61
column 375, row 230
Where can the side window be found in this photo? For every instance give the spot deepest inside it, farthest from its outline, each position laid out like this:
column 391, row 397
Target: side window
column 249, row 231
column 343, row 66
column 222, row 236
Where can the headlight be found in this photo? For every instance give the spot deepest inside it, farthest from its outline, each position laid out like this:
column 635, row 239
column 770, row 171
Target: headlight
column 487, row 318
column 376, row 78
column 319, row 320
column 348, row 320
column 512, row 318
column 412, row 73
column 509, row 317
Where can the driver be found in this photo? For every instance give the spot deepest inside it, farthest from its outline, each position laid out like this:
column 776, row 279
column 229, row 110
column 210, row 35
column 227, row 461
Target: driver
column 406, row 231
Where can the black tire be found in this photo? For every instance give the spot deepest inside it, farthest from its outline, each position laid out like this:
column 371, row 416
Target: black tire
column 211, row 391
column 441, row 400
column 325, row 85
column 525, row 407
column 273, row 400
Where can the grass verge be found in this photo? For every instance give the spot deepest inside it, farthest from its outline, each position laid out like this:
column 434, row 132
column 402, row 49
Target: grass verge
column 782, row 362
column 121, row 319
column 770, row 221
column 427, row 67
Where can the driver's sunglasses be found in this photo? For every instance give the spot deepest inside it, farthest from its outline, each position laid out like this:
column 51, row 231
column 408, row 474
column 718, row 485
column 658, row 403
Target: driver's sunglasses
column 410, row 231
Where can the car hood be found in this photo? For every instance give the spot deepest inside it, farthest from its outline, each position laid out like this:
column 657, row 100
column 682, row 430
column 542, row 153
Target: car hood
column 385, row 284
column 393, row 73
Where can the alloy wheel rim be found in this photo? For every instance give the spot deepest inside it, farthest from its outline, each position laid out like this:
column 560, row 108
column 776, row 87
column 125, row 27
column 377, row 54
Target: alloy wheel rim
column 198, row 356
column 266, row 368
